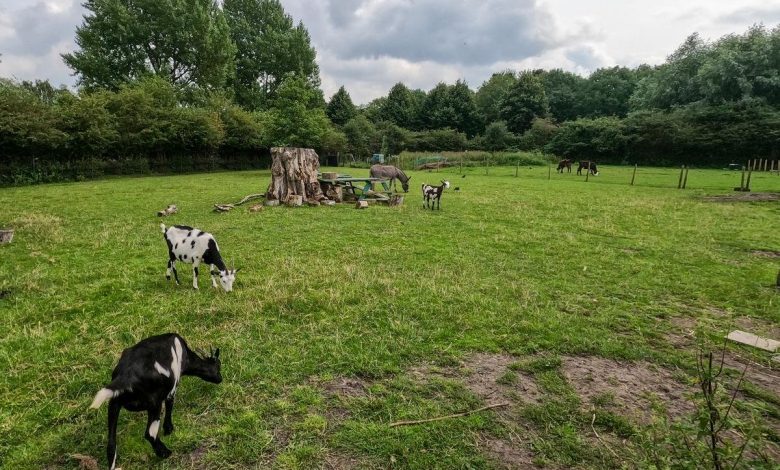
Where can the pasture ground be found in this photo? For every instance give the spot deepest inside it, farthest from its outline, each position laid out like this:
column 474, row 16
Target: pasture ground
column 580, row 305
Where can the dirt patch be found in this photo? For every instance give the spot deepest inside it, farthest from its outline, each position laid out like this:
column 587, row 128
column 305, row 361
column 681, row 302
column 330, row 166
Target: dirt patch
column 506, row 454
column 4, row 294
column 766, row 253
column 683, row 333
column 743, row 197
column 339, row 461
column 346, row 387
column 633, row 386
column 86, row 462
column 758, row 327
column 757, row 374
column 485, row 372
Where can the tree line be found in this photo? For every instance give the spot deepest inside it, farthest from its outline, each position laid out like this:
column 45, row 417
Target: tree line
column 190, row 85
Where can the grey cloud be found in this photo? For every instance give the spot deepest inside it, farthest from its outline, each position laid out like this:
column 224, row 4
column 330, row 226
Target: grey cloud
column 769, row 15
column 38, row 28
column 464, row 32
column 586, row 57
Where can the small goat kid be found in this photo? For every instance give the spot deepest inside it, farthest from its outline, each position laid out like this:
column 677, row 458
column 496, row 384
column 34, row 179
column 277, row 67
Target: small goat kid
column 432, row 194
column 146, row 377
column 190, row 245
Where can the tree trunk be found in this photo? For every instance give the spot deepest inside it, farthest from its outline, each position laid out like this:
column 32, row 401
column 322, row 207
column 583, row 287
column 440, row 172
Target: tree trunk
column 294, row 173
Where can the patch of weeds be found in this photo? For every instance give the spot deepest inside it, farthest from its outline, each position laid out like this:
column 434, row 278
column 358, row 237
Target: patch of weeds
column 540, row 364
column 604, row 399
column 614, row 423
column 300, row 456
column 508, row 378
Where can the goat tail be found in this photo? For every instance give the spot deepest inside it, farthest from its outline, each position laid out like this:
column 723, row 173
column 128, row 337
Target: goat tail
column 103, row 395
column 162, row 227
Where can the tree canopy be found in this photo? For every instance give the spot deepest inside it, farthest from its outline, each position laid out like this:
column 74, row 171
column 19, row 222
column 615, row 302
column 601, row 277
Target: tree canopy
column 185, row 41
column 269, row 47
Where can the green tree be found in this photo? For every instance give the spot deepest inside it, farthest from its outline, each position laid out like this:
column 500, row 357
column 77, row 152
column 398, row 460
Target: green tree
column 673, row 83
column 340, row 107
column 453, row 107
column 269, row 47
column 607, row 92
column 185, row 41
column 399, row 107
column 490, row 95
column 496, row 136
column 295, row 118
column 565, row 93
column 525, row 101
column 362, row 138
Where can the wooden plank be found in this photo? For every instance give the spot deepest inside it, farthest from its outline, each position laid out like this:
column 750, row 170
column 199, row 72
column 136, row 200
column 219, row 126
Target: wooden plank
column 750, row 339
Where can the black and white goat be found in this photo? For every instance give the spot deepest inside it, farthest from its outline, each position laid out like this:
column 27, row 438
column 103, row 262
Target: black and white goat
column 432, row 194
column 146, row 377
column 190, row 245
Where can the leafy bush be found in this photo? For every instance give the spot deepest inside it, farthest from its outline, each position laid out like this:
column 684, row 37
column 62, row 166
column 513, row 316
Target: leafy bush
column 600, row 139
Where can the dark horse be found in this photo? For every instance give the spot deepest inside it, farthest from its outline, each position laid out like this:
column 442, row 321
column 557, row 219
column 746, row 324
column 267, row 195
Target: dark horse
column 389, row 172
column 564, row 164
column 588, row 165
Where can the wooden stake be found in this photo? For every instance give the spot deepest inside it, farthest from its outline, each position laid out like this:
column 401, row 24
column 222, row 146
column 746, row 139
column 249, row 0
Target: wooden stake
column 517, row 167
column 742, row 183
column 747, row 185
column 634, row 175
column 679, row 181
column 685, row 178
column 487, row 164
column 461, row 164
column 549, row 170
column 456, row 415
column 587, row 172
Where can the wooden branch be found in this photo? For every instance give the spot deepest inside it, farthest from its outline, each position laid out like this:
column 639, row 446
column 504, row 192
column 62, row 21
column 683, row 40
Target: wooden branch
column 593, row 420
column 249, row 198
column 456, row 415
column 227, row 207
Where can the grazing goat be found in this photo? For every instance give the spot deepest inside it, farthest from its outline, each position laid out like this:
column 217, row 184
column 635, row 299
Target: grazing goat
column 190, row 245
column 590, row 166
column 146, row 377
column 566, row 163
column 432, row 194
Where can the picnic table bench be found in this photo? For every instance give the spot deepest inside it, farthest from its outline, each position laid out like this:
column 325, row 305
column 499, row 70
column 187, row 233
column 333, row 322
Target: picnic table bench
column 358, row 187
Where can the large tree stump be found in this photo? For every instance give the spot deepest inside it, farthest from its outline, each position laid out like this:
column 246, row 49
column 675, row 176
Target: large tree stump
column 294, row 173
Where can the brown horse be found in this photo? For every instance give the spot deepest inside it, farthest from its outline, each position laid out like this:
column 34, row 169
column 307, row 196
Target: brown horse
column 566, row 163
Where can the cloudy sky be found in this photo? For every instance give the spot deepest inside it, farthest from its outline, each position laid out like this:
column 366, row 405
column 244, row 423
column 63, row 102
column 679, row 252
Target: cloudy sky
column 368, row 45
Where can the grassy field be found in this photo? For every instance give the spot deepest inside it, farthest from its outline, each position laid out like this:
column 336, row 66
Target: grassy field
column 580, row 305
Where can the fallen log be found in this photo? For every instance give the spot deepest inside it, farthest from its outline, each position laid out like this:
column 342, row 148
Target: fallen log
column 171, row 209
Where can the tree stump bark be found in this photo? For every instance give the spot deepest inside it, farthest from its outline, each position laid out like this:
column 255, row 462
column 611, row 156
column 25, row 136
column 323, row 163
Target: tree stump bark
column 294, row 173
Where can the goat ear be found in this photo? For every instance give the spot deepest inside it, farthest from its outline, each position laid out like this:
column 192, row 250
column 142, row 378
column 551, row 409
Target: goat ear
column 216, row 354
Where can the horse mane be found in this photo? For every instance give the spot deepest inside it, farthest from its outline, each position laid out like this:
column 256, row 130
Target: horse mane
column 402, row 173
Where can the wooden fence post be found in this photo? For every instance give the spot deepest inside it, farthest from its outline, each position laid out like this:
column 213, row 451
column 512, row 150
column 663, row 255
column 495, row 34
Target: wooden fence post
column 747, row 185
column 742, row 183
column 685, row 179
column 549, row 171
column 679, row 181
column 634, row 175
column 587, row 172
column 517, row 168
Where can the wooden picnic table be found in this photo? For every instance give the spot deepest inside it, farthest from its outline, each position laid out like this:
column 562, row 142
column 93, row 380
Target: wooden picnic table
column 363, row 185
